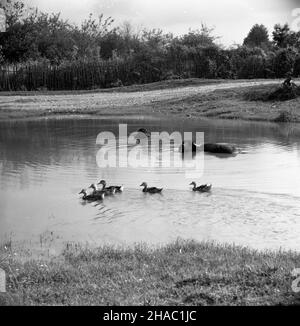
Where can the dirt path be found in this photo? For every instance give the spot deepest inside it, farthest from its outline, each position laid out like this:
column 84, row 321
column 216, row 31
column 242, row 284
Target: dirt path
column 122, row 102
column 114, row 99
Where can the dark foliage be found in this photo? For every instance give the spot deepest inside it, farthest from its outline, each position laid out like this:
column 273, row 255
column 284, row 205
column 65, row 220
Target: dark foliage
column 42, row 50
column 282, row 93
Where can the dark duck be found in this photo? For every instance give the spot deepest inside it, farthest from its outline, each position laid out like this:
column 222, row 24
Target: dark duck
column 203, row 188
column 110, row 188
column 151, row 190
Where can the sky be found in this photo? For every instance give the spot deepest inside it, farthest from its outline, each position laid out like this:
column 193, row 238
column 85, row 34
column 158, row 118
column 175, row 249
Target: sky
column 231, row 19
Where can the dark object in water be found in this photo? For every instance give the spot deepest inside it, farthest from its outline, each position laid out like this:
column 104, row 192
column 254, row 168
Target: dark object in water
column 220, row 148
column 216, row 148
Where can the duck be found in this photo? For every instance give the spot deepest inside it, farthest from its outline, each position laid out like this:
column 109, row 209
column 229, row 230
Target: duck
column 107, row 192
column 93, row 197
column 152, row 190
column 111, row 188
column 203, row 188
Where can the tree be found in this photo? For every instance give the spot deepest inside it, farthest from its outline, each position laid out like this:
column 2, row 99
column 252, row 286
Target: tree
column 297, row 66
column 257, row 37
column 199, row 37
column 89, row 36
column 284, row 62
column 283, row 37
column 253, row 67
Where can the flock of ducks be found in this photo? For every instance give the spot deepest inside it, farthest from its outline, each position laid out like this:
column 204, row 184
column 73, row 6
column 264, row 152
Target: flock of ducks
column 99, row 194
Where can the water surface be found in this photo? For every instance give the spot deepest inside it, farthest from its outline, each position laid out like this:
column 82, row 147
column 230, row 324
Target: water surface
column 45, row 163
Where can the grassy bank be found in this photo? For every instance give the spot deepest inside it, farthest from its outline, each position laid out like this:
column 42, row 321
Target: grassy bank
column 182, row 273
column 192, row 98
column 234, row 104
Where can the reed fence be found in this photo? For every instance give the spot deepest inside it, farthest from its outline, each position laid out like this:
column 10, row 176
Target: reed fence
column 93, row 75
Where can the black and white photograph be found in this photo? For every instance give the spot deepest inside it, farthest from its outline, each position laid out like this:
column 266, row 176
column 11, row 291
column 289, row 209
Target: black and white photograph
column 149, row 155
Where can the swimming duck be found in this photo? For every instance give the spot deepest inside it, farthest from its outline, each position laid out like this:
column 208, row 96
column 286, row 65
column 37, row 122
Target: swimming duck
column 107, row 192
column 111, row 188
column 203, row 188
column 152, row 190
column 93, row 197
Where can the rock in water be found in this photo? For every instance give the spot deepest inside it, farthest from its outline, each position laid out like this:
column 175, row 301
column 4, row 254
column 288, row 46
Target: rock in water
column 220, row 148
column 216, row 148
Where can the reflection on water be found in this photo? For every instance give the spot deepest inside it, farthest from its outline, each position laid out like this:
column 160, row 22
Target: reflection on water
column 255, row 200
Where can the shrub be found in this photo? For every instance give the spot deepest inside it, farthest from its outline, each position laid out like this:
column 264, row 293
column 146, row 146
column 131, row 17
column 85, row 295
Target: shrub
column 271, row 94
column 286, row 116
column 284, row 94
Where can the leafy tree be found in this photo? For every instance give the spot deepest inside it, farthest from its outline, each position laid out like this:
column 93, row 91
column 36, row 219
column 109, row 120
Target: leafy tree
column 257, row 37
column 89, row 36
column 284, row 62
column 253, row 66
column 283, row 37
column 297, row 66
column 199, row 37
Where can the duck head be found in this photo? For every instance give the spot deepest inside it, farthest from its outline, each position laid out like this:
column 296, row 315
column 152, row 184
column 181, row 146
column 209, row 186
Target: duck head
column 144, row 184
column 83, row 192
column 103, row 183
column 193, row 184
column 94, row 187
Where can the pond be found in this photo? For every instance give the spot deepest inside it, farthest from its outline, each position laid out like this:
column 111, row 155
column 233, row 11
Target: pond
column 44, row 163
